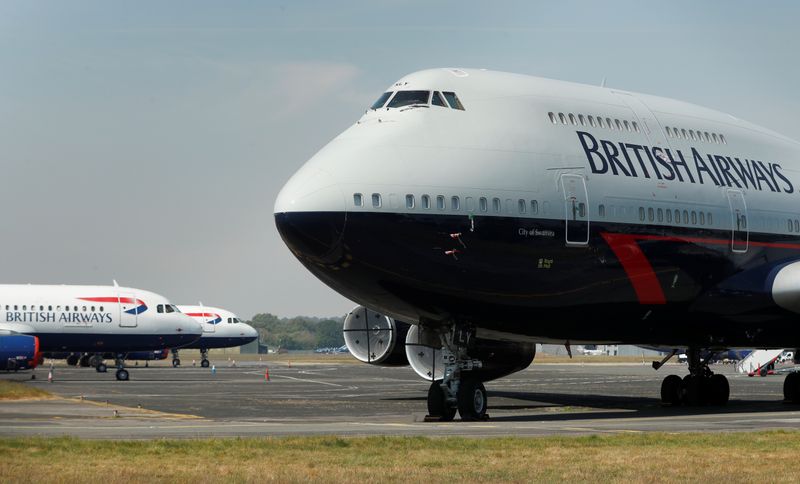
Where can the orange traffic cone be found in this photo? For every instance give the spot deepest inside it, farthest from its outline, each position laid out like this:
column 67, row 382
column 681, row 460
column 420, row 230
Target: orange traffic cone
column 50, row 376
column 266, row 374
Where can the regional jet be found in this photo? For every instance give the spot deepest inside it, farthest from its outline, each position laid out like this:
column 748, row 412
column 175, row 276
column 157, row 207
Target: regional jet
column 221, row 329
column 90, row 319
column 473, row 213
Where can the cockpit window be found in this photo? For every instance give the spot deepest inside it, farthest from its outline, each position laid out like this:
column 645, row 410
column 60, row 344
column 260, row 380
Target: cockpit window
column 381, row 100
column 169, row 308
column 408, row 98
column 437, row 100
column 452, row 99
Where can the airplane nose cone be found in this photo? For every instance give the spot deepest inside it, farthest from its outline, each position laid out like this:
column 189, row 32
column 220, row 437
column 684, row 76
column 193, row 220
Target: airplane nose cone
column 310, row 216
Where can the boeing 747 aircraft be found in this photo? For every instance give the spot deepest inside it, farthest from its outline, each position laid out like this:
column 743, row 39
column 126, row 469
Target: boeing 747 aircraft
column 93, row 319
column 474, row 213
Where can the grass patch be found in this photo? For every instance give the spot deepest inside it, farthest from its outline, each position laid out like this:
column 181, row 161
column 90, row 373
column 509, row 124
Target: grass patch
column 12, row 390
column 737, row 457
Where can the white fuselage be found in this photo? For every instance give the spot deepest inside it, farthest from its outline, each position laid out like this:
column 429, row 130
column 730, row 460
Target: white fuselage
column 221, row 328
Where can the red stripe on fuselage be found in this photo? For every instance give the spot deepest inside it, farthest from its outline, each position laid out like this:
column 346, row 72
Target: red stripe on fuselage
column 639, row 270
column 637, row 267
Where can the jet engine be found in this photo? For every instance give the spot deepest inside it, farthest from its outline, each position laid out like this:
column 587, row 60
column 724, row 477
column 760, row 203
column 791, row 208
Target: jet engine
column 375, row 338
column 19, row 352
column 499, row 358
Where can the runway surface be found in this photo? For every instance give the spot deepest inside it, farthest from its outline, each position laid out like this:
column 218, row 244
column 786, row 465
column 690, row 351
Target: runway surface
column 356, row 399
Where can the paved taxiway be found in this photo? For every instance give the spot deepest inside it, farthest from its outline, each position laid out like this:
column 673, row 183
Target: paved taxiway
column 355, row 399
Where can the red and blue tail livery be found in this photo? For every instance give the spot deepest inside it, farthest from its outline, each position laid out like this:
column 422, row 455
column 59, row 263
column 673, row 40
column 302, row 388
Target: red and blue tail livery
column 139, row 305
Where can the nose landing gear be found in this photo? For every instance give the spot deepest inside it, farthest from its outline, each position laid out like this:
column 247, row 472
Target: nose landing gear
column 700, row 387
column 457, row 390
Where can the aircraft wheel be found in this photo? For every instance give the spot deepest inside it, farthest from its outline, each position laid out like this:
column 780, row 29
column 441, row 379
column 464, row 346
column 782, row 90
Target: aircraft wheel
column 671, row 390
column 84, row 361
column 205, row 363
column 95, row 360
column 718, row 390
column 791, row 388
column 472, row 401
column 101, row 368
column 692, row 391
column 72, row 360
column 437, row 403
column 122, row 374
column 176, row 362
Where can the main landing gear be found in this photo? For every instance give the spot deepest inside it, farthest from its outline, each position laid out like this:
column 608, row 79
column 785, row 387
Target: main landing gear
column 122, row 373
column 204, row 358
column 457, row 390
column 700, row 387
column 176, row 362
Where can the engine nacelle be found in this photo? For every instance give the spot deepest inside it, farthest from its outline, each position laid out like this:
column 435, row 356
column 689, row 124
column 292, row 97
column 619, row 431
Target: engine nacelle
column 19, row 352
column 499, row 358
column 374, row 338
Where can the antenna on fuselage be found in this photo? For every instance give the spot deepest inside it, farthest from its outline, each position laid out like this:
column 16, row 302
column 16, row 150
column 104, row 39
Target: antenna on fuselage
column 115, row 282
column 603, row 82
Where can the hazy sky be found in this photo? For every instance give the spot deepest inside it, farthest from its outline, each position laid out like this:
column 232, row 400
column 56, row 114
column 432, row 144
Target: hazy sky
column 146, row 141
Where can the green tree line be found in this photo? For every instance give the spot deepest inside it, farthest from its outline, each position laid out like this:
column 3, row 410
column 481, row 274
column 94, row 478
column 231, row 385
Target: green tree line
column 298, row 333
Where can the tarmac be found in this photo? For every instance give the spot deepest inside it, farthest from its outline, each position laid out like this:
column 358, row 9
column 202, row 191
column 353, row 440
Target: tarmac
column 359, row 399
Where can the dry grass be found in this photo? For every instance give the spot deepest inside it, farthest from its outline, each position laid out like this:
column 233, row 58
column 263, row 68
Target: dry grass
column 12, row 390
column 741, row 457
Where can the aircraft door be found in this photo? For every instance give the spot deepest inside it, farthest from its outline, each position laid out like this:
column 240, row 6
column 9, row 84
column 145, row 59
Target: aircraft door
column 128, row 310
column 648, row 123
column 576, row 205
column 740, row 233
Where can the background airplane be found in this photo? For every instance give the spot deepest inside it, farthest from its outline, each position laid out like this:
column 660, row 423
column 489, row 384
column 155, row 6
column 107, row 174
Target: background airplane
column 221, row 329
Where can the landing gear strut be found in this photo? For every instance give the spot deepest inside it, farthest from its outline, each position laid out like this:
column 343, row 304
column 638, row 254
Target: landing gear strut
column 176, row 362
column 204, row 358
column 458, row 390
column 700, row 387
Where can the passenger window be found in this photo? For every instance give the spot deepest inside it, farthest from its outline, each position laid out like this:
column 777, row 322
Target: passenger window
column 650, row 214
column 609, row 123
column 522, row 205
column 591, row 121
column 160, row 308
column 641, row 214
column 376, row 200
column 49, row 308
column 582, row 120
column 684, row 135
column 669, row 131
column 709, row 219
column 714, row 137
column 702, row 218
column 483, row 204
column 618, row 124
column 358, row 199
column 437, row 100
column 455, row 203
column 409, row 201
column 572, row 119
column 452, row 99
column 381, row 101
column 534, row 207
column 627, row 126
column 496, row 204
column 101, row 309
column 707, row 137
column 601, row 210
column 552, row 118
column 677, row 216
column 722, row 138
column 562, row 118
column 694, row 217
column 440, row 202
column 426, row 202
column 691, row 135
column 600, row 122
column 635, row 127
column 669, row 216
column 685, row 217
column 660, row 215
column 791, row 227
column 25, row 307
column 409, row 98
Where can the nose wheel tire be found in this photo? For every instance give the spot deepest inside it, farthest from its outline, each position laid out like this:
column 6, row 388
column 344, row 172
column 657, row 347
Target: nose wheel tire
column 122, row 374
column 176, row 362
column 101, row 367
column 437, row 404
column 472, row 401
